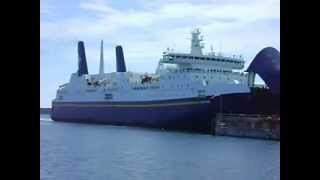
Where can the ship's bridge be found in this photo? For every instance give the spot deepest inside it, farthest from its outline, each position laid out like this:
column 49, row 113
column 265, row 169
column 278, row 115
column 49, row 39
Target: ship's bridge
column 190, row 60
column 196, row 59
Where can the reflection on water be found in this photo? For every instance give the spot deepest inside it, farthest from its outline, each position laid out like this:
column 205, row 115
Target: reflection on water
column 84, row 151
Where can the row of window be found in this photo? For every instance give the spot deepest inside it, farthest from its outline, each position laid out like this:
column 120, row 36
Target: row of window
column 204, row 77
column 157, row 87
column 177, row 76
column 203, row 58
column 200, row 70
column 209, row 70
column 145, row 87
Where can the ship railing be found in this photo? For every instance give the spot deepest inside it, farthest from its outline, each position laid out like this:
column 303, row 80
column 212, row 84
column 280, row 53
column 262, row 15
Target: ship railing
column 227, row 57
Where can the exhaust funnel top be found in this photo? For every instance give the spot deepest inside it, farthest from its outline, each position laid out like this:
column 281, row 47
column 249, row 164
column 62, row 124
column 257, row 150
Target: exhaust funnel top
column 82, row 61
column 121, row 65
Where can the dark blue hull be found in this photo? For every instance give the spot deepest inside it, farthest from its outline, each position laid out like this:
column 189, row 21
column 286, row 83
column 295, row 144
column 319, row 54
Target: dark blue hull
column 194, row 114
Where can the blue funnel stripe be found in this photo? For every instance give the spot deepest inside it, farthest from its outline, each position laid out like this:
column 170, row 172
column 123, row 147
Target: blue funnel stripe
column 82, row 61
column 121, row 65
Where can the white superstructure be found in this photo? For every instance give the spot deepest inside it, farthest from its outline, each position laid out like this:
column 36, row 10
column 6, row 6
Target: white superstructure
column 178, row 75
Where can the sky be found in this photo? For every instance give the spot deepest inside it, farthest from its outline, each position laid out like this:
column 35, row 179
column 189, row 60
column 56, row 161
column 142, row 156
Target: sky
column 145, row 28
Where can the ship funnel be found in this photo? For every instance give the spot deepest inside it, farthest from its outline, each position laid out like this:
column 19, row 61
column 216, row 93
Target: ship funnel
column 121, row 66
column 101, row 68
column 82, row 61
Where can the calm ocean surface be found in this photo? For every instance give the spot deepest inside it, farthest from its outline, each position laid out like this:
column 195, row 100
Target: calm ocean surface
column 71, row 151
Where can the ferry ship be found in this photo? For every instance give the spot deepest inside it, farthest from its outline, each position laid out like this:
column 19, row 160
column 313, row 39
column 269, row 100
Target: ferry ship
column 177, row 96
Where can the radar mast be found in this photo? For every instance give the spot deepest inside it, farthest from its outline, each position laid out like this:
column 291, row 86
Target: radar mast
column 196, row 46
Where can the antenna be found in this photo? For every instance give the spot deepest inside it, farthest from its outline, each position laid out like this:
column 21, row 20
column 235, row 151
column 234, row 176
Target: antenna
column 101, row 68
column 174, row 46
column 220, row 47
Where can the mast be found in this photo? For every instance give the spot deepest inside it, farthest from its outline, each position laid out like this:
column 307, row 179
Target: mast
column 101, row 68
column 196, row 46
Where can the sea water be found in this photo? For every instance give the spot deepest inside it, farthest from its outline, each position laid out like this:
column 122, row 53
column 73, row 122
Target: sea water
column 71, row 151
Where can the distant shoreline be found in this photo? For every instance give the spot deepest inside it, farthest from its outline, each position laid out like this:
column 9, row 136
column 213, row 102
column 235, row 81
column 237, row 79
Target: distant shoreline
column 45, row 110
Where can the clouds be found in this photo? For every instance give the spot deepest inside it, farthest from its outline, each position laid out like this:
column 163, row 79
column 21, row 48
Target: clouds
column 101, row 19
column 157, row 24
column 97, row 6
